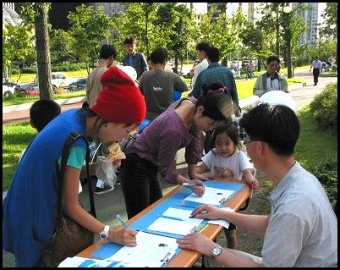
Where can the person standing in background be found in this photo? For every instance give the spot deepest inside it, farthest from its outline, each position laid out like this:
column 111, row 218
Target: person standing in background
column 158, row 85
column 316, row 65
column 201, row 50
column 107, row 57
column 133, row 58
column 272, row 79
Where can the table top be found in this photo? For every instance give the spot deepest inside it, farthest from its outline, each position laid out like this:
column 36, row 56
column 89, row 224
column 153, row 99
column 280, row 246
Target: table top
column 186, row 258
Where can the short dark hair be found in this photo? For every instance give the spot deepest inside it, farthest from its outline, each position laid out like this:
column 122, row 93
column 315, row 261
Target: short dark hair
column 203, row 46
column 273, row 58
column 107, row 51
column 130, row 40
column 158, row 56
column 277, row 125
column 230, row 130
column 213, row 54
column 42, row 112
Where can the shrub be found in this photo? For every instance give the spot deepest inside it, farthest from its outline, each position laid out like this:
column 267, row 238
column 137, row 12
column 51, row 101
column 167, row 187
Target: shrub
column 324, row 108
column 327, row 173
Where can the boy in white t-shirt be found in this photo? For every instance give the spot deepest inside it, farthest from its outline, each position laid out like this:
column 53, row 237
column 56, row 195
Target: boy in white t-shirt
column 226, row 160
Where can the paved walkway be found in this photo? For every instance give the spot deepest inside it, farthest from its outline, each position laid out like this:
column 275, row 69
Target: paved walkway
column 110, row 204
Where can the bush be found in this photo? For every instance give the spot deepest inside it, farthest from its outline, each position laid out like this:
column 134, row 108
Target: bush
column 327, row 173
column 324, row 108
column 68, row 67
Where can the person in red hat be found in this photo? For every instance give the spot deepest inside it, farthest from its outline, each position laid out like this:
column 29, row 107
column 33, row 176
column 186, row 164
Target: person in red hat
column 30, row 207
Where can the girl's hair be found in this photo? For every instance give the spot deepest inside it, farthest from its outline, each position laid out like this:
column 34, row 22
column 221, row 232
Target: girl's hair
column 217, row 104
column 231, row 130
column 87, row 112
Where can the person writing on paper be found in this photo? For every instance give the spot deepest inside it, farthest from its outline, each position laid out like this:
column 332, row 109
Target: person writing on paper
column 155, row 148
column 30, row 207
column 226, row 160
column 301, row 229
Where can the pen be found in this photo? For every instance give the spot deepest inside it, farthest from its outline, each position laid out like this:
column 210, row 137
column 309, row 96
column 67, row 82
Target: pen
column 120, row 219
column 192, row 184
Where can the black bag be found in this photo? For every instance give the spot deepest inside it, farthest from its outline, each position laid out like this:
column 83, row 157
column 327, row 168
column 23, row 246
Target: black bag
column 70, row 237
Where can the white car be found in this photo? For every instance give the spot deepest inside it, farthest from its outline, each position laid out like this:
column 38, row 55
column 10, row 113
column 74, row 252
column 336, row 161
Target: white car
column 7, row 90
column 58, row 79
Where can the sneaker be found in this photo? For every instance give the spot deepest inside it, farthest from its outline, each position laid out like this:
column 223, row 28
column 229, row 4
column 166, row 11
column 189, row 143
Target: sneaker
column 102, row 190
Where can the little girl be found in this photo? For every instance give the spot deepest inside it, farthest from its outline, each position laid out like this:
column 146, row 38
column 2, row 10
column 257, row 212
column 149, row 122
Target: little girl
column 226, row 160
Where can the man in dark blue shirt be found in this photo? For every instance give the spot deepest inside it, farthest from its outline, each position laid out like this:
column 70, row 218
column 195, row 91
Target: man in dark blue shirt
column 216, row 73
column 133, row 58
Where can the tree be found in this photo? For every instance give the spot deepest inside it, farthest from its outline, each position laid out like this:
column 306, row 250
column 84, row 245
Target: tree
column 89, row 30
column 330, row 16
column 17, row 47
column 37, row 14
column 43, row 50
column 60, row 44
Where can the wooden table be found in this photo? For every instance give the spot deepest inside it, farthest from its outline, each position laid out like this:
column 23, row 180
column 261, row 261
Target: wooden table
column 186, row 258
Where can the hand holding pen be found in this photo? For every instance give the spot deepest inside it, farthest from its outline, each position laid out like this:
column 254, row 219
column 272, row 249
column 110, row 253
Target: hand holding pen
column 124, row 235
column 196, row 186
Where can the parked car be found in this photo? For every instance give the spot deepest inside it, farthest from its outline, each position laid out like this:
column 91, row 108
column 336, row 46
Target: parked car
column 7, row 90
column 20, row 88
column 58, row 79
column 77, row 85
column 32, row 90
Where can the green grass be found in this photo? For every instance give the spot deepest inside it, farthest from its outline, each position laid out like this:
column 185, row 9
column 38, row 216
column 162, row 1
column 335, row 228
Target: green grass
column 314, row 144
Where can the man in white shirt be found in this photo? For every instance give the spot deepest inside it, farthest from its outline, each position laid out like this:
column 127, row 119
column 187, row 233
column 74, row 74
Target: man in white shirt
column 316, row 64
column 201, row 49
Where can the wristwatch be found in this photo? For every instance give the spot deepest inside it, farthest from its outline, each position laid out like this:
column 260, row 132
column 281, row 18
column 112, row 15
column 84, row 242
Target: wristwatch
column 104, row 234
column 216, row 251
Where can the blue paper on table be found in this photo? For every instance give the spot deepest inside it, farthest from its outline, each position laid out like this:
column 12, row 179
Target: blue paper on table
column 142, row 223
column 175, row 201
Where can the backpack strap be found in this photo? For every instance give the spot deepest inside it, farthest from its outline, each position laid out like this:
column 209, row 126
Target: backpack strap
column 61, row 173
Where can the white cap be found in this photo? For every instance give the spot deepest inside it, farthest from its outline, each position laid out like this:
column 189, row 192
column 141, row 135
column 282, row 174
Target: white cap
column 129, row 71
column 278, row 98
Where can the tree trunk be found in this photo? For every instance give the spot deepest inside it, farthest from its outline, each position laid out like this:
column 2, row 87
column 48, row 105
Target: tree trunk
column 43, row 51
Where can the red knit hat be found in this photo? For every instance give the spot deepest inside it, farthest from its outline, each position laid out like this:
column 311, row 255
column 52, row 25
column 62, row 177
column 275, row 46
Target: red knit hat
column 120, row 101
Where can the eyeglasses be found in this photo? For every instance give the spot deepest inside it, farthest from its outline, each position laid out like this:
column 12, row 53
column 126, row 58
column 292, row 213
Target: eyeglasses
column 249, row 141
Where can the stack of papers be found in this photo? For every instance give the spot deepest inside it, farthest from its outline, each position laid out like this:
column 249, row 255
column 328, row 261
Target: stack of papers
column 176, row 221
column 151, row 251
column 214, row 196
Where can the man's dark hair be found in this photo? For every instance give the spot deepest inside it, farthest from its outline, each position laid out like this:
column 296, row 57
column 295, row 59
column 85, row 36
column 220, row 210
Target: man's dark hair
column 277, row 125
column 42, row 112
column 158, row 56
column 130, row 40
column 107, row 51
column 273, row 58
column 203, row 46
column 213, row 54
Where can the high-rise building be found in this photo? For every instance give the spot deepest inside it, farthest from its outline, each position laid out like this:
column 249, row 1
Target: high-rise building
column 310, row 17
column 9, row 15
column 110, row 9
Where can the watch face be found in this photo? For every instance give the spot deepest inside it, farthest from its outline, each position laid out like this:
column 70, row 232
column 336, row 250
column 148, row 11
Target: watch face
column 217, row 250
column 103, row 235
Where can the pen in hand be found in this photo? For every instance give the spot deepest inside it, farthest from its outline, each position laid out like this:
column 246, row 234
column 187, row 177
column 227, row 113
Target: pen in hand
column 120, row 219
column 189, row 185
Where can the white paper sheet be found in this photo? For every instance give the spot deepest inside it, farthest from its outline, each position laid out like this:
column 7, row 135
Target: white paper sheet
column 151, row 251
column 221, row 222
column 169, row 225
column 214, row 196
